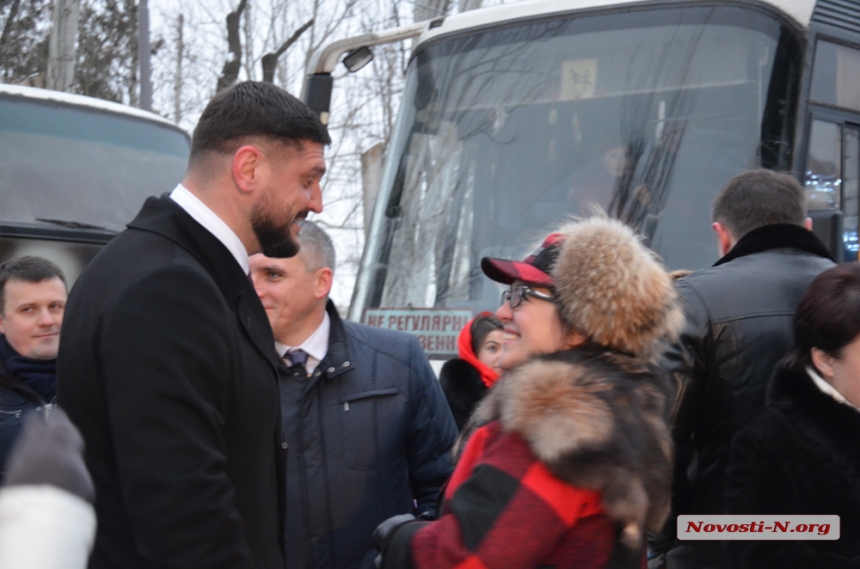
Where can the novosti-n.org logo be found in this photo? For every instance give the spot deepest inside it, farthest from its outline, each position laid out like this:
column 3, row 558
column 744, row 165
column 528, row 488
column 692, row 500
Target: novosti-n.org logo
column 758, row 528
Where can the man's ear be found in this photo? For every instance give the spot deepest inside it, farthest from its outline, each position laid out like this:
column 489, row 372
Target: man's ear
column 250, row 168
column 823, row 363
column 725, row 240
column 324, row 281
column 2, row 324
column 807, row 223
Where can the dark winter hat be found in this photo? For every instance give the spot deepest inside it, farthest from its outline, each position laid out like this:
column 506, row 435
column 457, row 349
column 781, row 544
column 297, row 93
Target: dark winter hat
column 534, row 269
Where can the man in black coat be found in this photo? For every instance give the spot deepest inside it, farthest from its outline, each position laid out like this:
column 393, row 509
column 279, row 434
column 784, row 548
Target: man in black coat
column 368, row 428
column 739, row 322
column 167, row 366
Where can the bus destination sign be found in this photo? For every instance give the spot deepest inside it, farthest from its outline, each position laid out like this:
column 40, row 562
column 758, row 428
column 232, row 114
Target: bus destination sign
column 437, row 329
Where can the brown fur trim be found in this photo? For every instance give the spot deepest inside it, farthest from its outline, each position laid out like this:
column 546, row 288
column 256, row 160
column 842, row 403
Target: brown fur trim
column 598, row 420
column 613, row 289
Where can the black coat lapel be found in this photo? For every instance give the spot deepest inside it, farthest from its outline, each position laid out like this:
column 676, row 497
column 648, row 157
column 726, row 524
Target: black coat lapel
column 166, row 218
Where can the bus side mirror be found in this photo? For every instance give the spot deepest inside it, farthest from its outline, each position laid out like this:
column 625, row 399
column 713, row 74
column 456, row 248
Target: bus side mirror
column 358, row 58
column 317, row 94
column 827, row 226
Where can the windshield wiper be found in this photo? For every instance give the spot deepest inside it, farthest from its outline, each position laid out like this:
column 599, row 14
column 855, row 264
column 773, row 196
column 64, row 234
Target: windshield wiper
column 73, row 224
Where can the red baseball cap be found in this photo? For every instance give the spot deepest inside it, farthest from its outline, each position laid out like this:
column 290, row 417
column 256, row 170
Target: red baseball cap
column 534, row 269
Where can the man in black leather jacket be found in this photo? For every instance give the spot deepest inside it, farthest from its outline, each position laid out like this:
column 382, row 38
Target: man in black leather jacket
column 367, row 426
column 739, row 314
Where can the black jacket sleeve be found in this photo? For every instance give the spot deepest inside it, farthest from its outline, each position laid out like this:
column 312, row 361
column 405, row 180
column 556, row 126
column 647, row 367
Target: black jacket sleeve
column 687, row 363
column 165, row 358
column 432, row 435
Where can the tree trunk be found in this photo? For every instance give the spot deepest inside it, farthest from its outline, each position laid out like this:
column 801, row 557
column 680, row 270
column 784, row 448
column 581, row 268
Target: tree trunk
column 144, row 55
column 230, row 71
column 177, row 77
column 61, row 46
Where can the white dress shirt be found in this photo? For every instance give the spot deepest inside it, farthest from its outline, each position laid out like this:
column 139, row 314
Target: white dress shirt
column 214, row 224
column 316, row 346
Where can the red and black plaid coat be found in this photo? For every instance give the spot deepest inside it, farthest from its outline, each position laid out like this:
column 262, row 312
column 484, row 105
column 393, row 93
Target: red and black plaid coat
column 508, row 507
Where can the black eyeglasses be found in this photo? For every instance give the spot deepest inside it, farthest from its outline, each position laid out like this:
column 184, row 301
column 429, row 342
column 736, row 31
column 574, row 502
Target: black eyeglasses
column 516, row 295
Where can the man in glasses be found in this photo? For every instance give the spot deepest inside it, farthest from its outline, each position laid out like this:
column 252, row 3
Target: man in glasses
column 532, row 322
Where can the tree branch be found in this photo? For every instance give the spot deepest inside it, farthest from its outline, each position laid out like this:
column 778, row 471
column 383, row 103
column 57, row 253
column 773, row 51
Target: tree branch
column 270, row 60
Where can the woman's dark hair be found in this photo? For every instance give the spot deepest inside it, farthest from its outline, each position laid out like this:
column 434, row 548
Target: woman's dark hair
column 482, row 325
column 828, row 316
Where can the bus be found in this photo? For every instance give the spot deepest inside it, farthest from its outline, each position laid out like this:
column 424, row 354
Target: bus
column 74, row 170
column 517, row 116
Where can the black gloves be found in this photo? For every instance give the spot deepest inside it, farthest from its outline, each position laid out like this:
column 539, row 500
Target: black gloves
column 50, row 451
column 383, row 532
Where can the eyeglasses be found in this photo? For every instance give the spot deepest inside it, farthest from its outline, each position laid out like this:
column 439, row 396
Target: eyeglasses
column 516, row 295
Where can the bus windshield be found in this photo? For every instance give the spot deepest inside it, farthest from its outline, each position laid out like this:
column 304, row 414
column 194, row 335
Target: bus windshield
column 503, row 134
column 80, row 168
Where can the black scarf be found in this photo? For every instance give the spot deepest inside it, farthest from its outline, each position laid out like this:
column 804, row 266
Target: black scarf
column 38, row 375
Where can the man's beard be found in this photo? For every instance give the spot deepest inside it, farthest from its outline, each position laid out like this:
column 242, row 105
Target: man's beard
column 276, row 240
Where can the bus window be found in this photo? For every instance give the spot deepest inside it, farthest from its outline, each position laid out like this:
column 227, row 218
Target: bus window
column 824, row 165
column 850, row 184
column 75, row 170
column 836, row 75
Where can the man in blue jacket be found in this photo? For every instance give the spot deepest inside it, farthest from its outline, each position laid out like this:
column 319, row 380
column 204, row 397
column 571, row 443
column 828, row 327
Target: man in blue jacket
column 367, row 426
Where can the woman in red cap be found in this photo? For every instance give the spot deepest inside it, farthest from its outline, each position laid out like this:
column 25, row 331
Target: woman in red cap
column 567, row 461
column 466, row 379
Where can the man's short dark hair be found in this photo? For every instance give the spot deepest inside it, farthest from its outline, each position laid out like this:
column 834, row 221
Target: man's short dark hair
column 28, row 269
column 757, row 198
column 254, row 108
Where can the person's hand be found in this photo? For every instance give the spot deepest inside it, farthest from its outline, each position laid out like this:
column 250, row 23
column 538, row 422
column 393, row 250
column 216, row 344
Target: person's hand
column 50, row 451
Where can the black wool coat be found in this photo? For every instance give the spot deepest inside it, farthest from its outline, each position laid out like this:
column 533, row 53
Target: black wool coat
column 800, row 456
column 168, row 368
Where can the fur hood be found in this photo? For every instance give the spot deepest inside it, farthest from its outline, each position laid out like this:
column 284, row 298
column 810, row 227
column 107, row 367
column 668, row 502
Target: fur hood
column 613, row 289
column 597, row 420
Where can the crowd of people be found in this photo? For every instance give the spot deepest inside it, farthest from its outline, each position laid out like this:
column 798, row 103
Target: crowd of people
column 209, row 408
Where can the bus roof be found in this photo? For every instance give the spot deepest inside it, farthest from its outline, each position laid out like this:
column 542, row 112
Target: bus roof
column 799, row 10
column 34, row 93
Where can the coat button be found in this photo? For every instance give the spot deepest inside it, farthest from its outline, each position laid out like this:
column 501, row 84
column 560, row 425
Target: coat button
column 330, row 370
column 284, row 446
column 346, row 364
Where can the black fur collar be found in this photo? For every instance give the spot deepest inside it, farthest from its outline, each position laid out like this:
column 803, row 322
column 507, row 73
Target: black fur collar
column 793, row 390
column 776, row 236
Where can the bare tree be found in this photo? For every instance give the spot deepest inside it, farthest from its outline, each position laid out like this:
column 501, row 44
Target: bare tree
column 177, row 77
column 270, row 60
column 429, row 9
column 230, row 71
column 24, row 39
column 61, row 47
column 466, row 5
column 143, row 49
